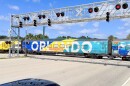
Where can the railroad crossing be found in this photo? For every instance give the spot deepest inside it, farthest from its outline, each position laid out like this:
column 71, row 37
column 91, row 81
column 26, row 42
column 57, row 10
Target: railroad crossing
column 106, row 10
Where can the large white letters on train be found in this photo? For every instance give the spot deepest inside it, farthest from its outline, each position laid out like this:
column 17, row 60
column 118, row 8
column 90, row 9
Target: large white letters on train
column 34, row 43
column 76, row 46
column 73, row 49
column 42, row 45
column 90, row 47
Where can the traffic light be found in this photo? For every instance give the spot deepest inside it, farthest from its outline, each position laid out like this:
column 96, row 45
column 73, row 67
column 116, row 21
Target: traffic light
column 58, row 14
column 125, row 6
column 43, row 16
column 24, row 18
column 62, row 14
column 20, row 24
column 49, row 22
column 39, row 16
column 35, row 22
column 96, row 9
column 28, row 18
column 108, row 16
column 90, row 10
column 8, row 42
column 118, row 7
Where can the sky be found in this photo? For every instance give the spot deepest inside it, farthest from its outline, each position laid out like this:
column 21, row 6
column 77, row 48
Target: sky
column 95, row 29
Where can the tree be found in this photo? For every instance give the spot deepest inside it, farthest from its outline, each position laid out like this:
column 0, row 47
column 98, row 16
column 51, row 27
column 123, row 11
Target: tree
column 82, row 37
column 3, row 37
column 61, row 37
column 128, row 37
column 29, row 36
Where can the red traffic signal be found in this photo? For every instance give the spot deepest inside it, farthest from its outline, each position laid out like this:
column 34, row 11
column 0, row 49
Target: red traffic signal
column 90, row 10
column 125, row 6
column 118, row 6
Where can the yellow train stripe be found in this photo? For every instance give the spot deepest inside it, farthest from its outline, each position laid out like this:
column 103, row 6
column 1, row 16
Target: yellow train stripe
column 59, row 46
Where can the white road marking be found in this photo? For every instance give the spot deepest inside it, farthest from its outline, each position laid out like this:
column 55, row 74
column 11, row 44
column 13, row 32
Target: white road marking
column 126, row 81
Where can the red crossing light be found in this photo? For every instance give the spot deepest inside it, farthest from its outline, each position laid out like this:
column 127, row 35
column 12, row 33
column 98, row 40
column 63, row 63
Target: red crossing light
column 90, row 10
column 118, row 6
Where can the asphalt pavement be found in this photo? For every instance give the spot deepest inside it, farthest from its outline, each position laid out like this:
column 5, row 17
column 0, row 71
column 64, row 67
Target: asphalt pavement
column 66, row 71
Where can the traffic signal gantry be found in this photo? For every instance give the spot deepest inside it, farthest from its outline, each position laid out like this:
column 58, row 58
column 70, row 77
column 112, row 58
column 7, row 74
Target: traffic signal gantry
column 105, row 10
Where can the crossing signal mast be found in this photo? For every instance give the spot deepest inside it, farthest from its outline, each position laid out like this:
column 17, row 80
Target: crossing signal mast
column 106, row 10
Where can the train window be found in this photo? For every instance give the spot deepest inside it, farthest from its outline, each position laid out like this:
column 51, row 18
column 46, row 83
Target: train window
column 55, row 45
column 62, row 46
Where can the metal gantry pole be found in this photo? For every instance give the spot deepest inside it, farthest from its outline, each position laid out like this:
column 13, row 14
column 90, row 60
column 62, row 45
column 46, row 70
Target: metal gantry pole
column 18, row 41
column 10, row 31
column 26, row 42
column 44, row 32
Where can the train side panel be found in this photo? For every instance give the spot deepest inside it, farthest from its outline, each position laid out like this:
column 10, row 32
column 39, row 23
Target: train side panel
column 121, row 48
column 68, row 46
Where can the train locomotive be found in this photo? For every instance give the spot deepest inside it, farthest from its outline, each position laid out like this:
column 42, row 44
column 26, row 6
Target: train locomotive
column 88, row 48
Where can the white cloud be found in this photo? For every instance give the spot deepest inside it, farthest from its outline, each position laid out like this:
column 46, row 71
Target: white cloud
column 57, row 27
column 124, row 29
column 13, row 7
column 4, row 18
column 99, row 35
column 88, row 31
column 63, row 33
column 38, row 31
column 126, row 22
column 122, row 33
column 96, row 24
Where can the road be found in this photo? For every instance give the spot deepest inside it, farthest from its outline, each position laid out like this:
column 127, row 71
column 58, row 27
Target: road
column 65, row 72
